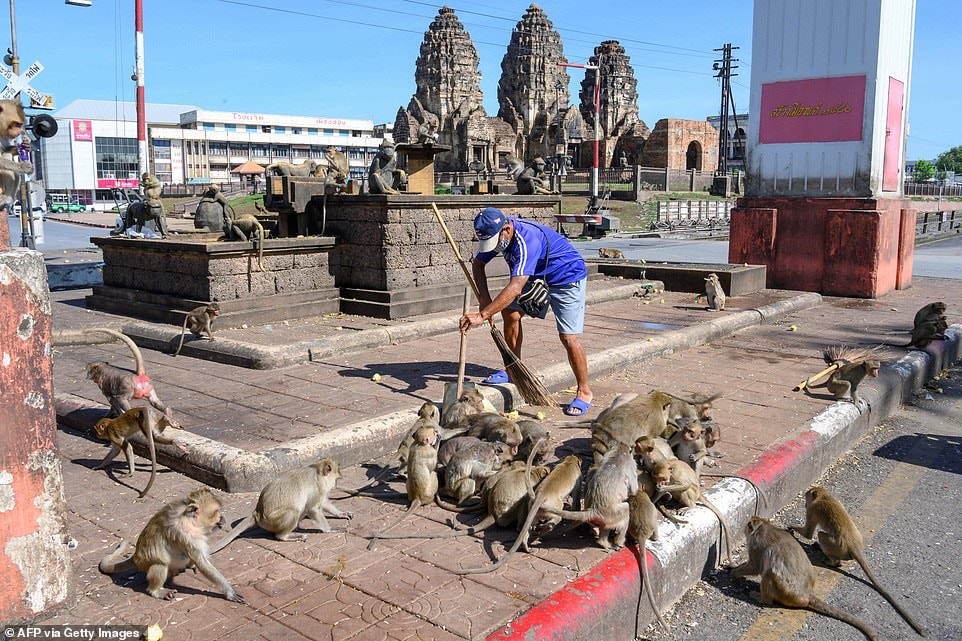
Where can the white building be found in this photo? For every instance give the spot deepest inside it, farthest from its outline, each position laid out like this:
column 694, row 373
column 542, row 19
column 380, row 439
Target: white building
column 95, row 148
column 737, row 128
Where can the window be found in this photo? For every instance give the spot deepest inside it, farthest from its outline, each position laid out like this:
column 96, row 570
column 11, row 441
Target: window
column 302, row 152
column 312, row 132
column 216, row 148
column 342, row 132
column 280, row 130
column 328, row 132
column 266, row 129
column 116, row 158
column 230, row 127
column 281, row 151
column 239, row 149
column 208, row 126
column 251, row 127
column 260, row 151
column 161, row 150
column 355, row 133
column 295, row 130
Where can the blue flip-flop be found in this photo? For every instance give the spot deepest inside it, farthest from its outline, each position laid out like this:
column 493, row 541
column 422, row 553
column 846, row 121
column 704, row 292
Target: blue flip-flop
column 581, row 406
column 497, row 378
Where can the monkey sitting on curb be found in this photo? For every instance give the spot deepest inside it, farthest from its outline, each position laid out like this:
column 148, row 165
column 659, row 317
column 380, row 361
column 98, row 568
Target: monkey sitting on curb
column 198, row 321
column 119, row 430
column 289, row 498
column 174, row 539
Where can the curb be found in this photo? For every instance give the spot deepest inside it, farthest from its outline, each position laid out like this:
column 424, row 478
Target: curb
column 235, row 470
column 603, row 604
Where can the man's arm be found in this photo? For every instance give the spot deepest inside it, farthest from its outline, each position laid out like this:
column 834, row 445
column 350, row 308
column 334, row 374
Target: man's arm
column 481, row 280
column 504, row 298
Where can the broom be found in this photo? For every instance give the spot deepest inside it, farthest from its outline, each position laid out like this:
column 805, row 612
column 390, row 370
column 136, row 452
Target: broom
column 530, row 387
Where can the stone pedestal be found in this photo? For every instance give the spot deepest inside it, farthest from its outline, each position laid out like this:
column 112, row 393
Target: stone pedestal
column 838, row 246
column 151, row 279
column 392, row 259
column 420, row 163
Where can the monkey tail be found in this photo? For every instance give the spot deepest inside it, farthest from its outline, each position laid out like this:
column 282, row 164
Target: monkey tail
column 724, row 525
column 527, row 468
column 888, row 597
column 260, row 245
column 817, row 605
column 112, row 563
column 138, row 356
column 646, row 588
column 145, row 418
column 415, row 504
column 249, row 521
column 761, row 500
column 533, row 510
column 183, row 332
column 444, row 505
column 479, row 527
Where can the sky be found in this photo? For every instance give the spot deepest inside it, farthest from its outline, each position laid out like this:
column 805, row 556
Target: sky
column 355, row 58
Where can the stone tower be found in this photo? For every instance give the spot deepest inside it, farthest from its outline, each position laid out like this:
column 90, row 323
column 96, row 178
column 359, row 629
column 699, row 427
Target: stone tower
column 532, row 84
column 621, row 128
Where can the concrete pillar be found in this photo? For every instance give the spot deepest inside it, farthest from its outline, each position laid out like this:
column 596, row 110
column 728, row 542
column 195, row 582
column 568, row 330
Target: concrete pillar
column 4, row 231
column 35, row 571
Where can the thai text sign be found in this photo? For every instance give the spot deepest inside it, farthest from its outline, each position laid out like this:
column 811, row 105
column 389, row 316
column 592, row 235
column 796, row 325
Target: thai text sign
column 123, row 183
column 82, row 131
column 812, row 110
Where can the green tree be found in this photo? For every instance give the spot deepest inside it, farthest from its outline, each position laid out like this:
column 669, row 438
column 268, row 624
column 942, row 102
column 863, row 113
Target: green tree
column 950, row 160
column 924, row 171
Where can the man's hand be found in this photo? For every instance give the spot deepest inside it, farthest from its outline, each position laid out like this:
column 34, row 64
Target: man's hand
column 470, row 320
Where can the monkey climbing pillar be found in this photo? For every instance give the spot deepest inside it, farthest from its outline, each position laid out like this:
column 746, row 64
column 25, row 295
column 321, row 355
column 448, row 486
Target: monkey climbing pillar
column 35, row 571
column 824, row 209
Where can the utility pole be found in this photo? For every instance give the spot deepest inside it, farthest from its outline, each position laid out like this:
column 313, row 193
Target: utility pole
column 597, row 136
column 139, row 73
column 724, row 67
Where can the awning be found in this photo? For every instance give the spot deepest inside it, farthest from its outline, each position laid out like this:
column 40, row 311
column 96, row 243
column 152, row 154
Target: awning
column 248, row 168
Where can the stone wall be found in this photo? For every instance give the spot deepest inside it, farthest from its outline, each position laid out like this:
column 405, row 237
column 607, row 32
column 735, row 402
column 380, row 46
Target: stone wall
column 668, row 144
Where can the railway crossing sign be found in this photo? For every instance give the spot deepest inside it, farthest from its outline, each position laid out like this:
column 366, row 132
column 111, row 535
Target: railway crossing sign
column 21, row 83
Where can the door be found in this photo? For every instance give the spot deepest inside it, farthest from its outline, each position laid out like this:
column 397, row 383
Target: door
column 892, row 165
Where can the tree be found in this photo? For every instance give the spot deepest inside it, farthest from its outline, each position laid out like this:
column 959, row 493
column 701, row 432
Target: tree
column 950, row 160
column 924, row 171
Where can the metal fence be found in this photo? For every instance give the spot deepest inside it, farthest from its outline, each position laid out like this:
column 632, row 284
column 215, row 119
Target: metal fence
column 936, row 222
column 931, row 189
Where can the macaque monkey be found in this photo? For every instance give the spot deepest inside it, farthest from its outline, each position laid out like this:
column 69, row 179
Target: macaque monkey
column 119, row 430
column 470, row 466
column 121, row 386
column 487, row 427
column 714, row 293
column 470, row 402
column 606, row 498
column 422, row 478
column 198, row 321
column 847, row 368
column 452, row 446
column 604, row 252
column 925, row 332
column 290, row 497
column 697, row 407
column 840, row 540
column 558, row 484
column 535, row 438
column 505, row 500
column 652, row 450
column 676, row 478
column 690, row 447
column 174, row 539
column 246, row 227
column 626, row 421
column 642, row 527
column 930, row 312
column 712, row 436
column 787, row 576
column 12, row 168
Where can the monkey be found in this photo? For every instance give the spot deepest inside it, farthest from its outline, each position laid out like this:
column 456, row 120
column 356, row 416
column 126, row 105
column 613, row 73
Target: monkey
column 532, row 433
column 690, row 447
column 712, row 436
column 606, row 497
column 923, row 333
column 558, row 484
column 787, row 576
column 604, row 252
column 422, row 479
column 289, row 498
column 840, row 540
column 198, row 321
column 504, row 497
column 452, row 446
column 246, row 227
column 470, row 402
column 847, row 368
column 12, row 168
column 651, row 450
column 283, row 168
column 119, row 430
column 119, row 385
column 645, row 415
column 714, row 293
column 643, row 527
column 488, row 427
column 932, row 311
column 697, row 407
column 173, row 539
column 677, row 479
column 470, row 466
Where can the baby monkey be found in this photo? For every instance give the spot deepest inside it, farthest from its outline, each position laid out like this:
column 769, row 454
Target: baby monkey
column 605, row 252
column 198, row 321
column 119, row 430
column 840, row 540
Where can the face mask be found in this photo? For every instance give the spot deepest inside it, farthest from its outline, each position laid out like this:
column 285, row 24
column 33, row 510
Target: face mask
column 502, row 245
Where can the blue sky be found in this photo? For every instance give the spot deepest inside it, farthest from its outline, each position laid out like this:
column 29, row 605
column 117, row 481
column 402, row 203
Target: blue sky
column 355, row 58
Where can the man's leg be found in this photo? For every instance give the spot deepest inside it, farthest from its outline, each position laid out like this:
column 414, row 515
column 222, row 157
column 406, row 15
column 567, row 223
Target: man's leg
column 579, row 364
column 513, row 332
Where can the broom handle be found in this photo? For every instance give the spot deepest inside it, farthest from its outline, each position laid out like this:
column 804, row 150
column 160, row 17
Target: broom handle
column 462, row 350
column 457, row 253
column 808, row 381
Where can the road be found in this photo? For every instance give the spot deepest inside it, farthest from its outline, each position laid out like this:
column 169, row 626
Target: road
column 901, row 484
column 59, row 236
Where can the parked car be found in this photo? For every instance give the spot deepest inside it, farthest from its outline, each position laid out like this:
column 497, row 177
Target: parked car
column 62, row 203
column 37, row 209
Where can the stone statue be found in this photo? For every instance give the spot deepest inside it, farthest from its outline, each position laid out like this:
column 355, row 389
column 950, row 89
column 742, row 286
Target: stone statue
column 146, row 213
column 338, row 169
column 213, row 211
column 623, row 160
column 513, row 166
column 307, row 168
column 383, row 176
column 533, row 180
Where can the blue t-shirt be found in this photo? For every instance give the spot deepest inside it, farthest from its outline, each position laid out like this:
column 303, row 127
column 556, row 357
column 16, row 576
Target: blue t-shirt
column 526, row 253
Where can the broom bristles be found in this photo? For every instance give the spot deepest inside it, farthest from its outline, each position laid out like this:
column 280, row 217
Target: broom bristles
column 530, row 387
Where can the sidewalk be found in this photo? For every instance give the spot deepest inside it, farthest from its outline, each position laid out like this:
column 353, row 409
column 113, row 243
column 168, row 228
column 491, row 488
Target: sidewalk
column 331, row 587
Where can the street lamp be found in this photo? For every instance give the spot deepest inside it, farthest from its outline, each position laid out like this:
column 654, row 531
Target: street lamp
column 597, row 134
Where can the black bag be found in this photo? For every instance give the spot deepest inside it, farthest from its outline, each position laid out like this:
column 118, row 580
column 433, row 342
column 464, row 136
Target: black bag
column 533, row 299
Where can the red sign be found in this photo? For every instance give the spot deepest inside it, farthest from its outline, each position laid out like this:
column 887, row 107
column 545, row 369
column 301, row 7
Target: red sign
column 82, row 131
column 123, row 183
column 813, row 110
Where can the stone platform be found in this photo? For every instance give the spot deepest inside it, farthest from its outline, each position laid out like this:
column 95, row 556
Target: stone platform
column 737, row 280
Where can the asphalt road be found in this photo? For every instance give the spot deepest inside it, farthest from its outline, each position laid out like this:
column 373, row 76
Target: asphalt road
column 901, row 484
column 58, row 236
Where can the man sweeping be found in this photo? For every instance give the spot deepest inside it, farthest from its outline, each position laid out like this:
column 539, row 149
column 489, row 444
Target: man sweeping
column 545, row 270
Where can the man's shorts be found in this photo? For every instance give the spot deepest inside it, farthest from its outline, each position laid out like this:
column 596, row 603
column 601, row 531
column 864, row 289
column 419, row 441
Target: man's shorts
column 568, row 304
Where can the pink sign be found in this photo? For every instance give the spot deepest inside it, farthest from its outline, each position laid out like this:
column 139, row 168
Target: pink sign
column 82, row 131
column 124, row 183
column 813, row 110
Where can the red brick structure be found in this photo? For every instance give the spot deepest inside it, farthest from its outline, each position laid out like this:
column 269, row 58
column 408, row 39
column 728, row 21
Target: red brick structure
column 681, row 144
